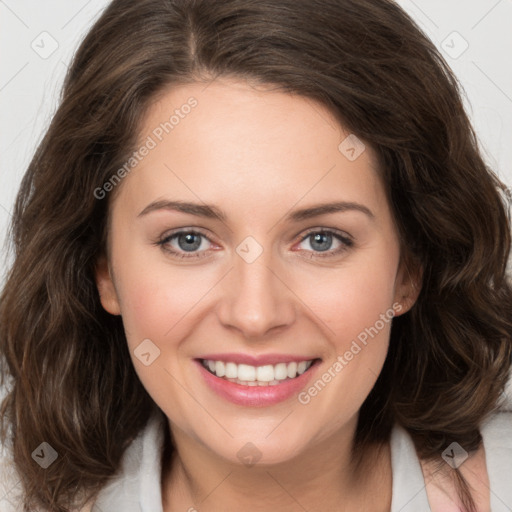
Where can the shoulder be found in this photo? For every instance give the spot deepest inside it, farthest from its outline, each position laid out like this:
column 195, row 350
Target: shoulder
column 496, row 433
column 428, row 485
column 497, row 429
column 10, row 482
column 137, row 478
column 497, row 441
column 486, row 470
column 10, row 485
column 137, row 484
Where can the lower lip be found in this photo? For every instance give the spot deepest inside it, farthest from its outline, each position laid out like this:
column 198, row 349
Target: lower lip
column 256, row 396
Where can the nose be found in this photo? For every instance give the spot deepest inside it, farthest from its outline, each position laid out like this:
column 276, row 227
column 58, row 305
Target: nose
column 255, row 298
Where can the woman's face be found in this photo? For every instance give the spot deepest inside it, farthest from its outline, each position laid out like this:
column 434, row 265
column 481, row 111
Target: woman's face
column 253, row 268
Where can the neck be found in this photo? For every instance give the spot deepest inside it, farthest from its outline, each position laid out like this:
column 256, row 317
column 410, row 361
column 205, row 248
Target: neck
column 321, row 477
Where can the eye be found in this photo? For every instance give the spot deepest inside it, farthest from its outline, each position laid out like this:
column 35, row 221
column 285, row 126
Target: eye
column 325, row 243
column 185, row 244
column 190, row 243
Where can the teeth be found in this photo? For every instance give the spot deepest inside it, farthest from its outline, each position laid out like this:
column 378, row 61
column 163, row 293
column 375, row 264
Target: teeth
column 220, row 369
column 292, row 370
column 246, row 372
column 265, row 373
column 257, row 375
column 231, row 371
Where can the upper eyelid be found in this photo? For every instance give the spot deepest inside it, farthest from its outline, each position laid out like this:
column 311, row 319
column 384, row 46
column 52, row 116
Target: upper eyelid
column 178, row 231
column 338, row 232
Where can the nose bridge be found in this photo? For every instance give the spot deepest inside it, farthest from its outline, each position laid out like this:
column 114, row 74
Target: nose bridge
column 255, row 300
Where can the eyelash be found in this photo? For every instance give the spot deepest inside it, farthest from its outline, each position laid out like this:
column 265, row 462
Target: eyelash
column 347, row 243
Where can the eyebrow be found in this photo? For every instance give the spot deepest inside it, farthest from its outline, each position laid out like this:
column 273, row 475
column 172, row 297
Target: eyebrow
column 212, row 212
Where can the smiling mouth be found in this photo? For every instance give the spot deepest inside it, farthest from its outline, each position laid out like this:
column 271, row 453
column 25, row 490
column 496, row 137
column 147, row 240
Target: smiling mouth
column 266, row 375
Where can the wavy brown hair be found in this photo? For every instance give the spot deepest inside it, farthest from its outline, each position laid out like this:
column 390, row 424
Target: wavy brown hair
column 71, row 379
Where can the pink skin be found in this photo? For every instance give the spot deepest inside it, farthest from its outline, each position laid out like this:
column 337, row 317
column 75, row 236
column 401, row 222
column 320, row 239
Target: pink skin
column 257, row 155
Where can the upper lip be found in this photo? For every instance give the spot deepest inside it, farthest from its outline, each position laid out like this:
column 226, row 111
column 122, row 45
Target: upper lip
column 260, row 360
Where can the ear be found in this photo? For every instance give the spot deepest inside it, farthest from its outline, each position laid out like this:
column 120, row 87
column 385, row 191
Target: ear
column 407, row 285
column 105, row 284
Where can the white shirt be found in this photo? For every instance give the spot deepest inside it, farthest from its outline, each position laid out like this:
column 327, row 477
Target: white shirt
column 138, row 489
column 137, row 486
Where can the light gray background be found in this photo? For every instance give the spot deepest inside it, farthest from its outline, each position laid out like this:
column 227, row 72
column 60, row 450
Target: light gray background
column 38, row 38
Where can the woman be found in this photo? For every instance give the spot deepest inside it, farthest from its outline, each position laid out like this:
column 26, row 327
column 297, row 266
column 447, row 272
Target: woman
column 260, row 264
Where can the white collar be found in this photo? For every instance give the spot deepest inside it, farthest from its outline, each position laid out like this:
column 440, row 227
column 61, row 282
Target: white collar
column 137, row 488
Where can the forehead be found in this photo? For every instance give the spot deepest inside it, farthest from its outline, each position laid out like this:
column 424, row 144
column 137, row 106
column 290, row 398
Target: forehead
column 228, row 141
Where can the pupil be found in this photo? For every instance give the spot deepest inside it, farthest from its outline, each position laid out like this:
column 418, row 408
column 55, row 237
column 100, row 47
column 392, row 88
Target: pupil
column 189, row 242
column 322, row 241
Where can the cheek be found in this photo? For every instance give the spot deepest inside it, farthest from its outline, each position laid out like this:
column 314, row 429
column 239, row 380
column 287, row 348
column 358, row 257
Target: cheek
column 355, row 305
column 160, row 304
column 155, row 301
column 160, row 301
column 352, row 299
